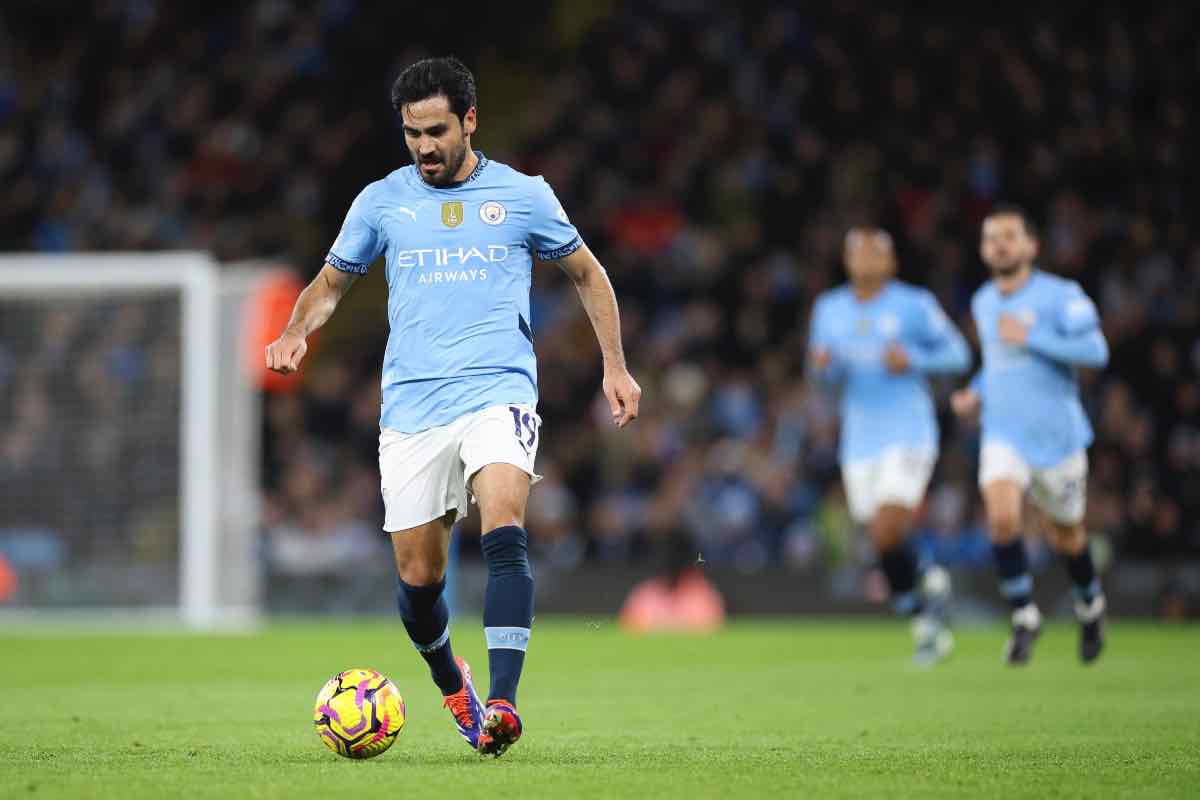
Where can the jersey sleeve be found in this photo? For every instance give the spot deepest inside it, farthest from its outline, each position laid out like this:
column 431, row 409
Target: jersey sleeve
column 976, row 307
column 551, row 234
column 934, row 324
column 942, row 348
column 1078, row 314
column 1075, row 338
column 819, row 327
column 976, row 383
column 359, row 242
column 821, row 337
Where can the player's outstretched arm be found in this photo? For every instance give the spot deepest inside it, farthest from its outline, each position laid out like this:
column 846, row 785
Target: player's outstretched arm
column 600, row 302
column 313, row 308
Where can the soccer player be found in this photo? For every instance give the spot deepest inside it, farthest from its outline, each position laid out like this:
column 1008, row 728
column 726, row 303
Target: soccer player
column 1035, row 329
column 878, row 338
column 459, row 233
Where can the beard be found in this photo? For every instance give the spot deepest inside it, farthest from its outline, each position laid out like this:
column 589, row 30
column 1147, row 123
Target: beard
column 1006, row 269
column 451, row 165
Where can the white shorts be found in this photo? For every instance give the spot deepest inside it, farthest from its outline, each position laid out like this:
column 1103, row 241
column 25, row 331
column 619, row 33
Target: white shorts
column 897, row 476
column 424, row 475
column 1060, row 491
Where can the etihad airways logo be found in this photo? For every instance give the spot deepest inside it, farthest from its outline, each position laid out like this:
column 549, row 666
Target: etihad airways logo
column 452, row 256
column 453, row 275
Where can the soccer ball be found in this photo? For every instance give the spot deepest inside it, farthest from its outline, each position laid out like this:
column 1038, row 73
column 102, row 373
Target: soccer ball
column 359, row 713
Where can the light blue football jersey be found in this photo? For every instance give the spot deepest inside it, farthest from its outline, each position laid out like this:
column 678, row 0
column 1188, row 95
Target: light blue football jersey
column 1031, row 394
column 459, row 266
column 879, row 409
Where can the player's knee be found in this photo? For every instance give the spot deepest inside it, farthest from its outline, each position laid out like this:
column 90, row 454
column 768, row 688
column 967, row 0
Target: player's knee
column 422, row 570
column 1004, row 523
column 1069, row 538
column 502, row 492
column 885, row 537
column 889, row 526
column 502, row 514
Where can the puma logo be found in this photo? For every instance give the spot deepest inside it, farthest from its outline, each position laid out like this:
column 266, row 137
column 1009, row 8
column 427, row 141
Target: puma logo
column 408, row 211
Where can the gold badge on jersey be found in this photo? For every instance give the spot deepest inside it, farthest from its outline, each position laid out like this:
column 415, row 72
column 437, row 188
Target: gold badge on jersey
column 452, row 213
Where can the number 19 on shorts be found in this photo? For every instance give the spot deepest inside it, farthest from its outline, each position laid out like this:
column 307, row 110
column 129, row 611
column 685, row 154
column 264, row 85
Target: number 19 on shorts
column 525, row 426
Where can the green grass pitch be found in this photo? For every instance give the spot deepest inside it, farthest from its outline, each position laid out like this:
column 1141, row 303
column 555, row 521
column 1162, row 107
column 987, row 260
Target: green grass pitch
column 763, row 709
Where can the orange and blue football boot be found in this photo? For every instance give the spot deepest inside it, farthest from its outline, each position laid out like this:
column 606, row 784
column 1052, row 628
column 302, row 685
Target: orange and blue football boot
column 501, row 728
column 465, row 707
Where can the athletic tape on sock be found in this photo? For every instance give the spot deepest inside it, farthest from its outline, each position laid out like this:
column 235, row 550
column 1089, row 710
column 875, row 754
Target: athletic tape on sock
column 1020, row 585
column 439, row 642
column 507, row 638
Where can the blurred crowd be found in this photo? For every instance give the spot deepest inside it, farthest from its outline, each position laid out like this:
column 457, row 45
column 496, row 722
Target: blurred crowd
column 713, row 157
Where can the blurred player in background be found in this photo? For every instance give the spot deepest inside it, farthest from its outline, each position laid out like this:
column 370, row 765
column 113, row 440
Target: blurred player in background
column 877, row 338
column 459, row 233
column 1035, row 329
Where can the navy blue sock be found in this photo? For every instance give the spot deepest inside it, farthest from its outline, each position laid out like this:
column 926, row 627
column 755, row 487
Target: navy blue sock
column 507, row 607
column 900, row 566
column 1012, row 567
column 426, row 617
column 1083, row 575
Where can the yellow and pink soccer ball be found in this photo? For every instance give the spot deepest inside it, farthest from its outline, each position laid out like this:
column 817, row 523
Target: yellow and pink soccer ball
column 359, row 713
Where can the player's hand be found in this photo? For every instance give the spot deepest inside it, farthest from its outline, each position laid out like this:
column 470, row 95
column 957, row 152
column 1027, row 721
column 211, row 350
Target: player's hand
column 623, row 395
column 1012, row 330
column 965, row 403
column 284, row 354
column 821, row 357
column 895, row 358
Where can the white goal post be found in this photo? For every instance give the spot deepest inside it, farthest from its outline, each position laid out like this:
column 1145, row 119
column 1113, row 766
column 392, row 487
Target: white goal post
column 216, row 582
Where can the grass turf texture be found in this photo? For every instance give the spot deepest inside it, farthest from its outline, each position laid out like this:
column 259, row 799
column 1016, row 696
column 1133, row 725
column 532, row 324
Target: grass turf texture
column 787, row 709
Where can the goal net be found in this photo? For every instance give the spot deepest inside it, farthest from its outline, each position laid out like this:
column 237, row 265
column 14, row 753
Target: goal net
column 128, row 438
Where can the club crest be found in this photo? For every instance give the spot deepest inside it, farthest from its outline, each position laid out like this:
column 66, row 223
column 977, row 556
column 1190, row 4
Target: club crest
column 492, row 212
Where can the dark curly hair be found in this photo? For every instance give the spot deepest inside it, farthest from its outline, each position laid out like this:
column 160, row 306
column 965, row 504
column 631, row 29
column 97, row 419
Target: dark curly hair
column 431, row 77
column 1013, row 210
